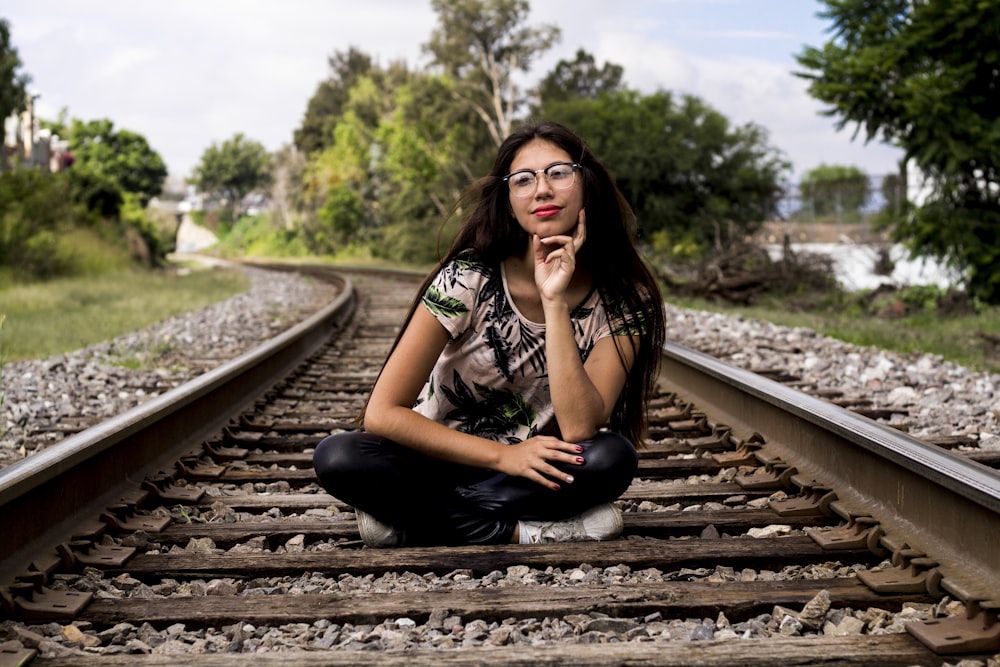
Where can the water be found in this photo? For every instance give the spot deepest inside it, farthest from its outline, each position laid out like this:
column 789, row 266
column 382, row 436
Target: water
column 854, row 266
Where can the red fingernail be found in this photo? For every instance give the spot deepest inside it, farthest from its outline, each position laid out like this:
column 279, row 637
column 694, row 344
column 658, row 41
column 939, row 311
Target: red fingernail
column 579, row 459
column 579, row 448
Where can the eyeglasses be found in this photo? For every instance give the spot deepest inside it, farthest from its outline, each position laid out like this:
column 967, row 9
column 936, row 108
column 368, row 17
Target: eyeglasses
column 560, row 176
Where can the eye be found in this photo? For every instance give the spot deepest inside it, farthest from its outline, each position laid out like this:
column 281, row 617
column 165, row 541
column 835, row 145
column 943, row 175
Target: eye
column 560, row 172
column 522, row 179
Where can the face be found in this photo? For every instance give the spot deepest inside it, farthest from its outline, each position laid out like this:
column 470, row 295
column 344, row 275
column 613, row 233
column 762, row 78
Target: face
column 548, row 210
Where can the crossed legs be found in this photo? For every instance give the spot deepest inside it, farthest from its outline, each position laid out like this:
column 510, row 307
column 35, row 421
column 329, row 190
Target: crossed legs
column 435, row 502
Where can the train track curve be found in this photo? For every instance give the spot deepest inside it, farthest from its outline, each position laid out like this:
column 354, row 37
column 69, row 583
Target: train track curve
column 193, row 525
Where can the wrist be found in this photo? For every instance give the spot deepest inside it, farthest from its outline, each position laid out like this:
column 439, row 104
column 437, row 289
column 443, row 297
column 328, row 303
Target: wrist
column 555, row 305
column 496, row 457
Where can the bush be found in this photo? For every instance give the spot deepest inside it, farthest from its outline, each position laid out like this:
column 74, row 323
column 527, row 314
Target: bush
column 83, row 251
column 96, row 191
column 35, row 209
column 896, row 302
column 155, row 241
column 45, row 234
column 261, row 236
column 742, row 272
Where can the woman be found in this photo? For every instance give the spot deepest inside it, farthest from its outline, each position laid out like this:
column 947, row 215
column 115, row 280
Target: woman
column 541, row 327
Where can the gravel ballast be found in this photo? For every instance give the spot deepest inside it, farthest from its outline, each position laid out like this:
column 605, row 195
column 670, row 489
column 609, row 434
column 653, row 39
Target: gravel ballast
column 935, row 399
column 46, row 398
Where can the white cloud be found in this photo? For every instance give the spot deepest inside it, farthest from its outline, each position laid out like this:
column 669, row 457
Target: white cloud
column 747, row 90
column 125, row 62
column 192, row 72
column 649, row 66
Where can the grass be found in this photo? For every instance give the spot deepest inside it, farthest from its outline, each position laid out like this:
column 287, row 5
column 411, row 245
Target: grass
column 967, row 339
column 53, row 317
column 59, row 316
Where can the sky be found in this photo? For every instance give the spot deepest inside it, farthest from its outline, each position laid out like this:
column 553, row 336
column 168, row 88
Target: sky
column 187, row 74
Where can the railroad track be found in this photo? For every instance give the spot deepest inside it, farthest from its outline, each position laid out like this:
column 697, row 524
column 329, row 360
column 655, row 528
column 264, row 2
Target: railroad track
column 761, row 524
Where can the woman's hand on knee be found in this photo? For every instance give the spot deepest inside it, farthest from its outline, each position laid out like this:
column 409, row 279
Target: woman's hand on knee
column 534, row 458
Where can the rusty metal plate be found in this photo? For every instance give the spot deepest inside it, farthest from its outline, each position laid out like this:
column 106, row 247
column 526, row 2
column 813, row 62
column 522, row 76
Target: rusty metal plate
column 956, row 634
column 47, row 604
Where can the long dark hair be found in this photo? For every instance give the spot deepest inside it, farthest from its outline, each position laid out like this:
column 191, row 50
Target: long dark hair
column 627, row 287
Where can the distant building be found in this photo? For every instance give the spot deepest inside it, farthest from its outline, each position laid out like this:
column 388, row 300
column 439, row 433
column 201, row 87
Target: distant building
column 26, row 144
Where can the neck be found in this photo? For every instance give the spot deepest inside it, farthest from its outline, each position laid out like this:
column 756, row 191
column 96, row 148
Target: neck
column 523, row 264
column 523, row 267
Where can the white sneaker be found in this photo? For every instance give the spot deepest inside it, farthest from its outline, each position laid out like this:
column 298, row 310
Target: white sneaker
column 603, row 522
column 374, row 533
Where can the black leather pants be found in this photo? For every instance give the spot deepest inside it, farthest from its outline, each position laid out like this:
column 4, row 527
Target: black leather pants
column 434, row 502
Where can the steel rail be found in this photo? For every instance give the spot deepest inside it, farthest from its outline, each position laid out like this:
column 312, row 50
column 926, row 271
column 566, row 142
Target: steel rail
column 924, row 497
column 939, row 503
column 44, row 498
column 920, row 496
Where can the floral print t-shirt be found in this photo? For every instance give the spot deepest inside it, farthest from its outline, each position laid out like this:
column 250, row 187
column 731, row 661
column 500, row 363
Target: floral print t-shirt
column 492, row 378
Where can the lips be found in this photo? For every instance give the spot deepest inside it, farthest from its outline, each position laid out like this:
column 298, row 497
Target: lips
column 545, row 211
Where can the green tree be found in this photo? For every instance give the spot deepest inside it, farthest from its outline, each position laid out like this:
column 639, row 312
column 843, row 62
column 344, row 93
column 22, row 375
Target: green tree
column 105, row 159
column 13, row 84
column 893, row 191
column 331, row 96
column 97, row 190
column 346, row 164
column 431, row 149
column 694, row 180
column 834, row 191
column 482, row 44
column 115, row 174
column 924, row 75
column 400, row 153
column 287, row 171
column 338, row 180
column 231, row 170
column 36, row 211
column 579, row 78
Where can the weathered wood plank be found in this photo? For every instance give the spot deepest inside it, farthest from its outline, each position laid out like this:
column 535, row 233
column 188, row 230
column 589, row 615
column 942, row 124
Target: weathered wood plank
column 269, row 432
column 867, row 651
column 648, row 468
column 286, row 502
column 667, row 493
column 740, row 600
column 648, row 524
column 673, row 468
column 639, row 553
column 293, row 477
column 658, row 491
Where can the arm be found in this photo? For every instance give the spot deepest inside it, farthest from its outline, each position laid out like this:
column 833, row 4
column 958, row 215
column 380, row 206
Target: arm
column 583, row 395
column 390, row 414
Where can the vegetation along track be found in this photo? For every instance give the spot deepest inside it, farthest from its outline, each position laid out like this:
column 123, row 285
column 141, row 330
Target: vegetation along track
column 752, row 501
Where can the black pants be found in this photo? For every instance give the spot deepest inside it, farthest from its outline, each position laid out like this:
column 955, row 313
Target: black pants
column 434, row 502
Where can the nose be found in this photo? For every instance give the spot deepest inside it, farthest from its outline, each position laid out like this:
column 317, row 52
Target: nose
column 542, row 186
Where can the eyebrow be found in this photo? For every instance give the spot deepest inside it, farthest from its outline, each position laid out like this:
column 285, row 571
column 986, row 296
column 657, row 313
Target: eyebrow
column 554, row 162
